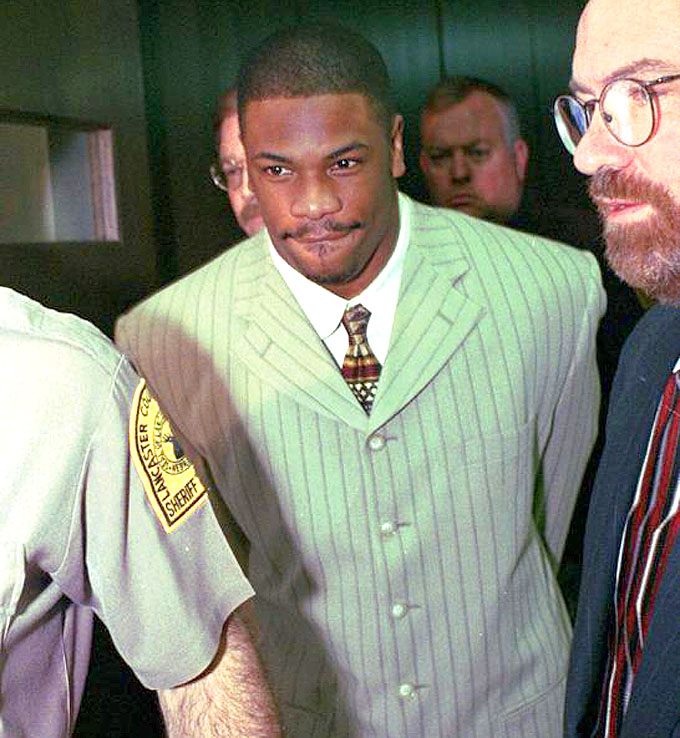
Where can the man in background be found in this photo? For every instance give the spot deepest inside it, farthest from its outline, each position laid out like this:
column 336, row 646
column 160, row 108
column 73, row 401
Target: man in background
column 229, row 173
column 472, row 155
column 396, row 403
column 621, row 123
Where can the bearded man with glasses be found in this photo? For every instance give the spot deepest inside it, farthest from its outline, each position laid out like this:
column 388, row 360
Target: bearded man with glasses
column 622, row 125
column 628, row 109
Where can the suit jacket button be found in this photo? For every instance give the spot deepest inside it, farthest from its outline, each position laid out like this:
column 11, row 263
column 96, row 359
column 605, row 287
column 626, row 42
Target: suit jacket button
column 376, row 442
column 399, row 610
column 407, row 691
column 388, row 528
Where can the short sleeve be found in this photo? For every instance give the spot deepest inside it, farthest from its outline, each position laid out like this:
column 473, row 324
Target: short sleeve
column 145, row 550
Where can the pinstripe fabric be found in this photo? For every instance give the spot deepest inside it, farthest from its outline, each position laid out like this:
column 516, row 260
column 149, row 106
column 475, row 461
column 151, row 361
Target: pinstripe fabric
column 404, row 560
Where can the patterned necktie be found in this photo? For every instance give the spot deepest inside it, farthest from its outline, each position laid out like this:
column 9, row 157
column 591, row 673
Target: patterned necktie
column 649, row 535
column 360, row 368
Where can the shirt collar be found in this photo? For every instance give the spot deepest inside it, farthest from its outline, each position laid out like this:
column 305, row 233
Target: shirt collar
column 323, row 308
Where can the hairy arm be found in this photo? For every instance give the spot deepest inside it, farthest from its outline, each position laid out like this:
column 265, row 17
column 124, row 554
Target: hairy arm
column 230, row 699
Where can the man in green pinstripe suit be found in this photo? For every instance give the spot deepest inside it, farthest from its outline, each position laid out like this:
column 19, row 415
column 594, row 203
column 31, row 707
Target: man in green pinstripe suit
column 403, row 557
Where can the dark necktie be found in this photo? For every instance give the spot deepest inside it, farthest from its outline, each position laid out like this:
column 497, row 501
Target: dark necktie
column 360, row 368
column 650, row 532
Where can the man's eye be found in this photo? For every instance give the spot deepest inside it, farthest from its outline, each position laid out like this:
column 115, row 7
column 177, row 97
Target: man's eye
column 478, row 154
column 344, row 164
column 439, row 157
column 639, row 96
column 276, row 170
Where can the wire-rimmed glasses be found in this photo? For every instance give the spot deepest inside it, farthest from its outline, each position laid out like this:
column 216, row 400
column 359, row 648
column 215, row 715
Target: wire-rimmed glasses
column 626, row 106
column 227, row 175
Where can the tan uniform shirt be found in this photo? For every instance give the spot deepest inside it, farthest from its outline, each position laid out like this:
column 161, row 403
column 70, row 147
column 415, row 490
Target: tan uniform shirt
column 78, row 532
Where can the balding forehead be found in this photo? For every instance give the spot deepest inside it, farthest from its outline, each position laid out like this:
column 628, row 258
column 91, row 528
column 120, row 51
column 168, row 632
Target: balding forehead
column 635, row 19
column 620, row 34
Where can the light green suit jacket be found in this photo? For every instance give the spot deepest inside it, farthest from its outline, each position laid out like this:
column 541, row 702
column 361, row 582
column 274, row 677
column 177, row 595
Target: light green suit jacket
column 403, row 562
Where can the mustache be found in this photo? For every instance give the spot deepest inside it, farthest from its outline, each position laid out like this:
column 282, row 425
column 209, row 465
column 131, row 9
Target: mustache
column 615, row 185
column 318, row 230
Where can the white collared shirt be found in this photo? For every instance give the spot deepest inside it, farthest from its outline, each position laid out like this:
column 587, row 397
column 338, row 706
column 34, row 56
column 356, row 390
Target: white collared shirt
column 324, row 309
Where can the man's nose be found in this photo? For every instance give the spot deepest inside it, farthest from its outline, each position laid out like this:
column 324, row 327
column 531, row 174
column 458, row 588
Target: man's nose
column 316, row 196
column 598, row 148
column 460, row 168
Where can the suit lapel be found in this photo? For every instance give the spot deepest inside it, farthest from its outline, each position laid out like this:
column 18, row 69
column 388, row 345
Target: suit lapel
column 431, row 322
column 635, row 396
column 279, row 344
column 613, row 492
column 654, row 701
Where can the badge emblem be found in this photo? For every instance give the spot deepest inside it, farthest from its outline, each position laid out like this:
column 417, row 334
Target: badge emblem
column 170, row 481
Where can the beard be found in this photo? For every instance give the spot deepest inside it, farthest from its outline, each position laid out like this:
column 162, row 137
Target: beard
column 645, row 254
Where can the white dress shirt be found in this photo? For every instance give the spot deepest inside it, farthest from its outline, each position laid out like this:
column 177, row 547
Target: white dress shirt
column 324, row 309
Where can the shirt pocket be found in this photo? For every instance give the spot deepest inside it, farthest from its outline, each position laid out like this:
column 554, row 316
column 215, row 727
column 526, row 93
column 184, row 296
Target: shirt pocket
column 12, row 577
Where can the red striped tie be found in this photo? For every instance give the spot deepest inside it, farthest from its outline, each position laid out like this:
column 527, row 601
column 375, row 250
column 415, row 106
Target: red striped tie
column 649, row 534
column 360, row 368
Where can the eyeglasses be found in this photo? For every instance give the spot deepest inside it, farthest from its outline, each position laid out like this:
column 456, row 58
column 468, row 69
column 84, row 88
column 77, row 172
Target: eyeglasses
column 227, row 175
column 626, row 106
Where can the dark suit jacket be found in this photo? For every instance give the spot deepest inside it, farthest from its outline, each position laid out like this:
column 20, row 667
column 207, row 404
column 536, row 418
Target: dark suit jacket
column 648, row 357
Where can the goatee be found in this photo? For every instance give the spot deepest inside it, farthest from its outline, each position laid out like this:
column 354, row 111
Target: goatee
column 645, row 254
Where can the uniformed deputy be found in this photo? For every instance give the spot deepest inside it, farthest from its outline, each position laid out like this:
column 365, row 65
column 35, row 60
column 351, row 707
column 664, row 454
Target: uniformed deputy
column 92, row 523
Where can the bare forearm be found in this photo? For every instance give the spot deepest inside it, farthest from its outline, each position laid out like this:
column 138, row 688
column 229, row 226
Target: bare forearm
column 231, row 699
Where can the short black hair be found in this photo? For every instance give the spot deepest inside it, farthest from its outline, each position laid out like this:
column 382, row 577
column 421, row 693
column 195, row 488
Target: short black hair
column 316, row 59
column 453, row 90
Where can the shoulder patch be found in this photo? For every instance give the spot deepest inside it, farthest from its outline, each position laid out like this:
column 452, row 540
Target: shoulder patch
column 170, row 481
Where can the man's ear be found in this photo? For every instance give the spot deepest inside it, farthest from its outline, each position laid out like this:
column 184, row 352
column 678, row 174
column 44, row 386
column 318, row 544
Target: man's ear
column 397, row 146
column 521, row 148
